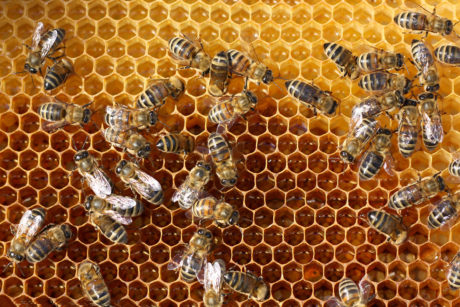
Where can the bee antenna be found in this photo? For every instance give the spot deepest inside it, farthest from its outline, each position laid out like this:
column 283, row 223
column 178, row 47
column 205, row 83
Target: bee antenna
column 20, row 270
column 74, row 145
column 20, row 72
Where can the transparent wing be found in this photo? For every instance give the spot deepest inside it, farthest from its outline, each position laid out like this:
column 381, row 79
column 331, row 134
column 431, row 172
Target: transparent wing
column 99, row 183
column 200, row 270
column 366, row 291
column 443, row 208
column 177, row 259
column 149, row 180
column 52, row 126
column 29, row 225
column 433, row 127
column 116, row 114
column 121, row 202
column 118, row 218
column 213, row 276
column 48, row 44
column 185, row 196
column 37, row 35
column 389, row 164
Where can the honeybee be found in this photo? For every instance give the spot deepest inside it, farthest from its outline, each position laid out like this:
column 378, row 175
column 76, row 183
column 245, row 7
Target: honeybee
column 28, row 227
column 221, row 154
column 454, row 168
column 93, row 283
column 247, row 283
column 88, row 168
column 424, row 61
column 59, row 114
column 385, row 81
column 190, row 54
column 432, row 130
column 57, row 74
column 187, row 194
column 132, row 142
column 176, row 143
column 221, row 212
column 344, row 59
column 408, row 128
column 444, row 212
column 52, row 237
column 123, row 118
column 351, row 295
column 110, row 228
column 312, row 96
column 192, row 260
column 453, row 275
column 254, row 70
column 448, row 54
column 389, row 224
column 43, row 46
column 417, row 193
column 219, row 74
column 156, row 94
column 144, row 184
column 228, row 110
column 357, row 139
column 213, row 279
column 374, row 159
column 380, row 60
column 373, row 106
column 119, row 208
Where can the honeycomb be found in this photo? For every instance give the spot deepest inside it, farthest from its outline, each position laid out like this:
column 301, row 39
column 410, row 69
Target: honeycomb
column 302, row 225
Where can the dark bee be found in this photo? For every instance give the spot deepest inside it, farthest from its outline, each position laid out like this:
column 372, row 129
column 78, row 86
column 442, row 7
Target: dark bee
column 59, row 114
column 432, row 130
column 57, row 74
column 417, row 193
column 52, row 237
column 113, row 230
column 312, row 96
column 408, row 128
column 243, row 65
column 221, row 212
column 380, row 60
column 344, row 59
column 221, row 154
column 444, row 212
column 123, row 118
column 219, row 75
column 156, row 94
column 130, row 141
column 389, row 224
column 357, row 139
column 189, row 54
column 373, row 106
column 374, row 159
column 422, row 23
column 448, row 54
column 93, row 284
column 384, row 81
column 228, row 110
column 427, row 72
column 247, row 283
column 176, row 143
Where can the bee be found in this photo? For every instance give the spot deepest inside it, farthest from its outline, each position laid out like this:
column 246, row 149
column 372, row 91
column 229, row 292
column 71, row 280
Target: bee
column 176, row 143
column 52, row 237
column 344, row 59
column 417, row 193
column 144, row 184
column 448, row 54
column 357, row 139
column 88, row 168
column 385, row 81
column 453, row 275
column 444, row 212
column 422, row 23
column 389, row 224
column 122, row 118
column 156, row 94
column 254, row 70
column 28, row 227
column 380, row 60
column 189, row 54
column 424, row 61
column 192, row 260
column 454, row 168
column 219, row 74
column 228, row 110
column 59, row 114
column 221, row 154
column 432, row 130
column 57, row 74
column 408, row 128
column 221, row 212
column 351, row 295
column 373, row 106
column 247, row 283
column 187, row 194
column 312, row 96
column 213, row 279
column 374, row 159
column 93, row 283
column 43, row 46
column 119, row 208
column 110, row 228
column 132, row 142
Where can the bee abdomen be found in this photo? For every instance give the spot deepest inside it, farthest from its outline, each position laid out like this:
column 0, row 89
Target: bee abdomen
column 218, row 147
column 188, row 271
column 368, row 61
column 99, row 293
column 169, row 143
column 52, row 111
column 373, row 82
column 407, row 141
column 154, row 96
column 219, row 74
column 448, row 54
column 182, row 48
column 430, row 143
column 441, row 214
column 454, row 168
column 115, row 232
column 411, row 20
column 370, row 166
column 349, row 292
column 156, row 197
column 133, row 211
column 221, row 113
column 337, row 53
column 238, row 61
column 203, row 208
column 398, row 201
column 39, row 250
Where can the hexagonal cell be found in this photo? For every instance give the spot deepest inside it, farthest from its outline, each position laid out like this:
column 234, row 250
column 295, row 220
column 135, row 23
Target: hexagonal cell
column 33, row 287
column 429, row 290
column 418, row 271
column 334, row 272
column 407, row 252
column 324, row 253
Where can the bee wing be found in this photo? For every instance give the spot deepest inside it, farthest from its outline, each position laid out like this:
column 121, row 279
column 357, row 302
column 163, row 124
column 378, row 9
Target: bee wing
column 332, row 301
column 433, row 127
column 52, row 126
column 37, row 35
column 213, row 276
column 149, row 180
column 366, row 291
column 48, row 44
column 99, row 183
column 29, row 226
column 199, row 268
column 389, row 164
column 177, row 259
column 121, row 202
column 117, row 114
column 185, row 195
column 118, row 218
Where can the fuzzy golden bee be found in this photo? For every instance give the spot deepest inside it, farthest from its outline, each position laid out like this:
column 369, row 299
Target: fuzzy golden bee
column 128, row 140
column 51, row 238
column 380, row 60
column 89, row 169
column 113, row 230
column 219, row 74
column 375, row 105
column 93, row 284
column 312, row 96
column 119, row 208
column 384, row 81
column 248, row 284
column 176, row 143
column 344, row 59
column 220, row 212
column 155, row 95
column 122, row 118
column 221, row 154
column 408, row 128
column 376, row 157
column 227, row 111
column 357, row 139
column 445, row 211
column 57, row 74
column 448, row 54
column 420, row 22
column 351, row 295
column 432, row 130
column 424, row 60
column 189, row 53
column 388, row 224
column 59, row 114
column 243, row 65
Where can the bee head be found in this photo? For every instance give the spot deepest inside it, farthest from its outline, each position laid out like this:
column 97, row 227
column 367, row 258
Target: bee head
column 88, row 201
column 204, row 232
column 384, row 131
column 177, row 85
column 144, row 152
column 432, row 88
column 80, row 155
column 425, row 96
column 449, row 27
column 407, row 86
column 15, row 257
column 346, row 156
column 409, row 102
column 399, row 60
column 234, row 218
column 153, row 118
column 86, row 115
column 30, row 69
column 335, row 104
column 67, row 231
column 228, row 182
column 120, row 166
column 268, row 77
column 440, row 182
column 204, row 164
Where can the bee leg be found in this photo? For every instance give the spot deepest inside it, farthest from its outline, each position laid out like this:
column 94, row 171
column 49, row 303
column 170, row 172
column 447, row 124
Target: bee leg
column 27, row 46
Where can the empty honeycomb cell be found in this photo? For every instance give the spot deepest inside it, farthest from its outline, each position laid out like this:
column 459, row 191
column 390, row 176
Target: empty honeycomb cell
column 252, row 236
column 18, row 178
column 118, row 253
column 355, row 235
column 59, row 141
column 262, row 254
column 281, row 291
column 271, row 273
column 335, row 235
column 54, row 288
column 324, row 253
column 336, row 199
column 241, row 254
column 9, row 122
column 365, row 254
column 323, row 290
column 33, row 287
column 8, row 159
column 37, row 178
column 127, row 271
column 429, row 290
column 159, row 253
column 76, row 251
column 334, row 272
column 283, row 253
column 438, row 271
column 314, row 235
column 87, row 235
column 418, row 271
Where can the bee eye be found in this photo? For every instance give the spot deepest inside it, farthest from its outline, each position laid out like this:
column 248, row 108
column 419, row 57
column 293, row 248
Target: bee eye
column 200, row 232
column 208, row 235
column 208, row 167
column 232, row 181
column 200, row 164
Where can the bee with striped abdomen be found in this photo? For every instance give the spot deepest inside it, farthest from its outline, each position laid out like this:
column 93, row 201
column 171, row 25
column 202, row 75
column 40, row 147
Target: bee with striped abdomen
column 188, row 192
column 385, row 81
column 119, row 208
column 454, row 167
column 176, row 143
column 408, row 128
column 93, row 284
column 248, row 284
column 417, row 193
column 357, row 139
column 110, row 228
column 155, row 95
column 375, row 157
column 57, row 74
column 380, row 60
column 89, row 169
column 52, row 237
column 389, row 224
column 453, row 275
column 312, row 96
column 221, row 154
column 427, row 72
column 190, row 54
column 123, row 118
column 220, row 212
column 351, row 295
column 144, row 184
column 59, row 114
column 219, row 74
column 243, row 65
column 213, row 279
column 448, row 54
column 445, row 211
column 344, row 59
column 432, row 130
column 228, row 110
column 373, row 106
column 130, row 141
